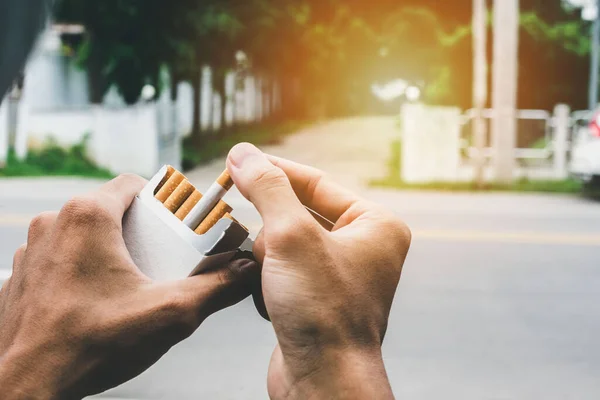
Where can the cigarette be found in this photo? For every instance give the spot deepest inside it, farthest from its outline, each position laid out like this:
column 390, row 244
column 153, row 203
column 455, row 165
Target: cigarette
column 225, row 180
column 169, row 187
column 179, row 196
column 211, row 198
column 217, row 213
column 170, row 171
column 187, row 206
column 229, row 216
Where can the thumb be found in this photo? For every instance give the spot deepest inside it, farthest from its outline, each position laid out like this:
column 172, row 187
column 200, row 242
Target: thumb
column 199, row 296
column 264, row 184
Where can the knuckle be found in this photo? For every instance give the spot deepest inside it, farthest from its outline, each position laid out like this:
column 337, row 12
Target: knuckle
column 398, row 231
column 83, row 210
column 40, row 224
column 19, row 253
column 227, row 276
column 317, row 178
column 294, row 230
column 270, row 177
column 129, row 178
column 6, row 285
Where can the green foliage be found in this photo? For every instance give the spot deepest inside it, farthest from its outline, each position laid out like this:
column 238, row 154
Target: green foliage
column 52, row 159
column 325, row 54
column 568, row 35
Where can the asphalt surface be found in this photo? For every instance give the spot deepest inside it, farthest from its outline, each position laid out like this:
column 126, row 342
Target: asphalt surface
column 498, row 300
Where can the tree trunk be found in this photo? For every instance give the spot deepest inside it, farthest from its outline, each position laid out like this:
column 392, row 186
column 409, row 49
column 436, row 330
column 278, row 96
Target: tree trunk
column 276, row 98
column 197, row 87
column 96, row 82
column 210, row 127
column 266, row 98
column 222, row 91
column 174, row 87
column 289, row 103
column 234, row 121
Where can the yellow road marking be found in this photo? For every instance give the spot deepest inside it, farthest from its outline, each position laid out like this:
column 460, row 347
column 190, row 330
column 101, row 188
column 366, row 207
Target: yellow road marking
column 576, row 239
column 573, row 239
column 15, row 220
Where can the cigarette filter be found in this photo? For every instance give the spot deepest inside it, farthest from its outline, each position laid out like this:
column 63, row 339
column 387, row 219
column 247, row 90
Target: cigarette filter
column 165, row 248
column 210, row 200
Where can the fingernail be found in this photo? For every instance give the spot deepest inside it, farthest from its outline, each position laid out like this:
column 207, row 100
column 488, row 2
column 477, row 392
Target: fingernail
column 240, row 153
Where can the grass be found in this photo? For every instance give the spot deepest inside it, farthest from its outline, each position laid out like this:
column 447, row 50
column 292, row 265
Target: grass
column 525, row 185
column 54, row 160
column 206, row 148
column 394, row 180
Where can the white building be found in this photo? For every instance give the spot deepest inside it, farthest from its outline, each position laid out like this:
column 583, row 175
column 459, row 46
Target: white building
column 55, row 104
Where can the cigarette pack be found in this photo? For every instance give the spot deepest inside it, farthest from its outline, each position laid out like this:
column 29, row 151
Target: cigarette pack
column 164, row 248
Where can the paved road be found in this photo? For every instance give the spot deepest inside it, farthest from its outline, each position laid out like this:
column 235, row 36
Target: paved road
column 498, row 300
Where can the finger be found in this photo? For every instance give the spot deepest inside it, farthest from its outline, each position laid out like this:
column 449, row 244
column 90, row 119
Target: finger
column 205, row 294
column 19, row 255
column 316, row 191
column 255, row 281
column 258, row 249
column 18, row 258
column 98, row 213
column 265, row 185
column 259, row 300
column 325, row 223
column 118, row 193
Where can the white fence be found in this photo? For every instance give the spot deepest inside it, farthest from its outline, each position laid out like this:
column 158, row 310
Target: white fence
column 430, row 144
column 54, row 104
column 66, row 126
column 136, row 139
column 3, row 131
column 433, row 149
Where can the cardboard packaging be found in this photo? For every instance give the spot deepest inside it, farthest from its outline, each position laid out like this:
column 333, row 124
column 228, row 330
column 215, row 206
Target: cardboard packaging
column 164, row 248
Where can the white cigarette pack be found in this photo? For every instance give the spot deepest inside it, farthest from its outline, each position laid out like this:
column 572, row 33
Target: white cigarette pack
column 165, row 249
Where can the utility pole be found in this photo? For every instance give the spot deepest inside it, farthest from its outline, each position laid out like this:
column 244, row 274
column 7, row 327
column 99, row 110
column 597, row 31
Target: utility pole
column 504, row 96
column 595, row 64
column 480, row 92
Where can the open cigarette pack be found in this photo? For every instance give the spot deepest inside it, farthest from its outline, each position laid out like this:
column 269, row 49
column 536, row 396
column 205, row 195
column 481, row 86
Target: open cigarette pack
column 172, row 231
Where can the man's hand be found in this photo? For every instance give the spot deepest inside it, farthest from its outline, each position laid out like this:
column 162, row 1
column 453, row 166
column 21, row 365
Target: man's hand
column 77, row 317
column 328, row 293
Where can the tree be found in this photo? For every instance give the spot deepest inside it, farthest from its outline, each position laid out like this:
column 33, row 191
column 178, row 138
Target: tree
column 324, row 54
column 117, row 48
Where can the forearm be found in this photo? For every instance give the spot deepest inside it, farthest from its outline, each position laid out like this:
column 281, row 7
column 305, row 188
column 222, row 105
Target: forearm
column 347, row 375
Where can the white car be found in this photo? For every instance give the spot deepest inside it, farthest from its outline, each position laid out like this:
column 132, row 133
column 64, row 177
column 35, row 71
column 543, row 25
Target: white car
column 585, row 153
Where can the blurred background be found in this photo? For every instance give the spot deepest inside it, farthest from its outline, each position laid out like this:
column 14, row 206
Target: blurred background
column 475, row 120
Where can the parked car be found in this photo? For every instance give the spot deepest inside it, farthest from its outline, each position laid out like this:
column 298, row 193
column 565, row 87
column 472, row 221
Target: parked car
column 585, row 153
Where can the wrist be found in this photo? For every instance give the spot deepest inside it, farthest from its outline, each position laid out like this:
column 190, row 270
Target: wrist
column 344, row 374
column 23, row 375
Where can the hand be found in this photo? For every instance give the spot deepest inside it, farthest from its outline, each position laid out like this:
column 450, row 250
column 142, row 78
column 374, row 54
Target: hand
column 328, row 293
column 77, row 317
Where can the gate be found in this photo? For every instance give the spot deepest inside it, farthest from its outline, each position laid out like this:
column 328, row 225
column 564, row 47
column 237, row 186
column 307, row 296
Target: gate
column 535, row 130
